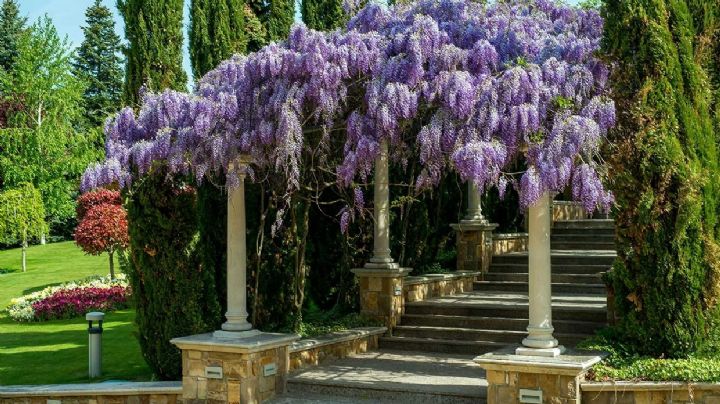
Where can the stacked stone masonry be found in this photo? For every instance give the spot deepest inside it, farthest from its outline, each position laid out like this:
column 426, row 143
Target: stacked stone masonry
column 504, row 386
column 650, row 393
column 504, row 243
column 419, row 288
column 565, row 210
column 99, row 399
column 316, row 355
column 381, row 298
column 242, row 381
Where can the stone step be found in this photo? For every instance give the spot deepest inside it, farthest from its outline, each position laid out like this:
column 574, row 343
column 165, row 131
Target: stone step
column 575, row 311
column 387, row 376
column 578, row 237
column 562, row 257
column 556, row 268
column 522, row 287
column 472, row 334
column 581, row 279
column 496, row 323
column 446, row 346
column 591, row 232
column 585, row 224
column 582, row 245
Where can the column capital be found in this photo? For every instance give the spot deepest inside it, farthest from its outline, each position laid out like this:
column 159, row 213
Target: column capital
column 240, row 163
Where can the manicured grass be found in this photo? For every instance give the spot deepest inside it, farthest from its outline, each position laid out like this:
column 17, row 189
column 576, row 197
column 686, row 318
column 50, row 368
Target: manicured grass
column 56, row 351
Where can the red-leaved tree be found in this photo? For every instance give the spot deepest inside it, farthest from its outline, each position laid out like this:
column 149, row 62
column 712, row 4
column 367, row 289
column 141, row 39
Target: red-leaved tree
column 103, row 225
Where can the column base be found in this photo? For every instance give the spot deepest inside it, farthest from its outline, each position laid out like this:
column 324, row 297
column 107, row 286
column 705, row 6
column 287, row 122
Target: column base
column 544, row 352
column 249, row 369
column 224, row 334
column 474, row 244
column 381, row 293
column 536, row 378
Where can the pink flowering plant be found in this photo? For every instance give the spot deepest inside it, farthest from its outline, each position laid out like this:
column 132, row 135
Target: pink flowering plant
column 457, row 85
column 72, row 299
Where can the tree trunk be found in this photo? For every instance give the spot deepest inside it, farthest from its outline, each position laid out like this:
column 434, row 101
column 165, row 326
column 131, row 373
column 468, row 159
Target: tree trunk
column 24, row 254
column 112, row 265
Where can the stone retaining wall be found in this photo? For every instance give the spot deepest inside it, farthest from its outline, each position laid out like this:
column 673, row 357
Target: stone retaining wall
column 314, row 351
column 567, row 210
column 504, row 243
column 650, row 392
column 418, row 288
column 94, row 393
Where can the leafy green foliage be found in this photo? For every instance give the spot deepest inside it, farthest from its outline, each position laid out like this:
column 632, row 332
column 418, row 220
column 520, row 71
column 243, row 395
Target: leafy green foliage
column 11, row 26
column 22, row 214
column 623, row 363
column 277, row 17
column 163, row 271
column 664, row 173
column 44, row 142
column 323, row 15
column 217, row 31
column 98, row 64
column 153, row 29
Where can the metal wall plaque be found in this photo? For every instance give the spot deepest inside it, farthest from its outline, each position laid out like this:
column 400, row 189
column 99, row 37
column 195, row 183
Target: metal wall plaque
column 213, row 372
column 269, row 369
column 531, row 396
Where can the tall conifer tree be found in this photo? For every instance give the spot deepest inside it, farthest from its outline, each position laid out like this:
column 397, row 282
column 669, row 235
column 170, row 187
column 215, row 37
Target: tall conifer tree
column 323, row 15
column 664, row 172
column 153, row 29
column 11, row 26
column 98, row 62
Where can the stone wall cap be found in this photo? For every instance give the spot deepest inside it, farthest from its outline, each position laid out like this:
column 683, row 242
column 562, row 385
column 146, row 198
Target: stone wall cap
column 92, row 389
column 506, row 236
column 336, row 337
column 621, row 386
column 255, row 343
column 430, row 278
column 468, row 226
column 382, row 272
column 571, row 362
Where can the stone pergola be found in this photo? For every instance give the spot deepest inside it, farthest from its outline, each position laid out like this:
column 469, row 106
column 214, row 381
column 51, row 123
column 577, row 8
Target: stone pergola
column 263, row 356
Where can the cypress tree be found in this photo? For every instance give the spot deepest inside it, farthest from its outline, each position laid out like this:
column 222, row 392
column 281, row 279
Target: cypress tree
column 11, row 26
column 153, row 29
column 217, row 31
column 98, row 63
column 323, row 15
column 664, row 173
column 277, row 16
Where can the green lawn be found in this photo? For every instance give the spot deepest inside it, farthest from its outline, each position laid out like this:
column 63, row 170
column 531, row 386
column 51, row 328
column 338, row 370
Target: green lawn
column 56, row 351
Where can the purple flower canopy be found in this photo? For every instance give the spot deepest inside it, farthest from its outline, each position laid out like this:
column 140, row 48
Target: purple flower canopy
column 486, row 85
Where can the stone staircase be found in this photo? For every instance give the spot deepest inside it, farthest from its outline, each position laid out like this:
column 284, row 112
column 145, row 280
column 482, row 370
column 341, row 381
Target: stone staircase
column 495, row 313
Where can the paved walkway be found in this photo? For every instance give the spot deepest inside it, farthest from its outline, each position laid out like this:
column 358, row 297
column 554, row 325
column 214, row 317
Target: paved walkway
column 389, row 376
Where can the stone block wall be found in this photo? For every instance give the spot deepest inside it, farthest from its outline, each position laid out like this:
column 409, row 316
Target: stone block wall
column 504, row 243
column 94, row 393
column 474, row 242
column 419, row 288
column 381, row 298
column 568, row 210
column 243, row 380
column 314, row 354
column 650, row 393
column 504, row 386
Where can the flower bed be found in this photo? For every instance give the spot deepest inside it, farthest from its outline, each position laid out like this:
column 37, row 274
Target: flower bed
column 71, row 299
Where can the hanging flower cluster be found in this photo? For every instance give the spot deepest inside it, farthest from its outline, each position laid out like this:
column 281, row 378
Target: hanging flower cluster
column 471, row 87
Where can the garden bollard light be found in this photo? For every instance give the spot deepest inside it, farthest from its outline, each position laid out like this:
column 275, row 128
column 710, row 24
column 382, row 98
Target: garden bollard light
column 95, row 343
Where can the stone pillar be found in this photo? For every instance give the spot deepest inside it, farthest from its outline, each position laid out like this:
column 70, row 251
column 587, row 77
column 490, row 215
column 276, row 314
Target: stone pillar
column 244, row 370
column 474, row 235
column 513, row 379
column 381, row 279
column 236, row 364
column 236, row 254
column 540, row 340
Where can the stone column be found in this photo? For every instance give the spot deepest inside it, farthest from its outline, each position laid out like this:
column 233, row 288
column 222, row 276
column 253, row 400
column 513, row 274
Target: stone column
column 381, row 279
column 236, row 364
column 474, row 235
column 540, row 340
column 236, row 255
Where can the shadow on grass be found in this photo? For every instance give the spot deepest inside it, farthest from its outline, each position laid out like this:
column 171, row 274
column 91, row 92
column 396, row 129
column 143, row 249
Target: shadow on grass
column 38, row 288
column 4, row 271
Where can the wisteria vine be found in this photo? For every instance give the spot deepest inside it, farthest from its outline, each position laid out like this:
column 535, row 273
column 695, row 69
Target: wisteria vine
column 471, row 87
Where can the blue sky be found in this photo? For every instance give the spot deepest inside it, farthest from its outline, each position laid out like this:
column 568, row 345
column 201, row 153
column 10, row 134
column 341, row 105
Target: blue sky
column 69, row 16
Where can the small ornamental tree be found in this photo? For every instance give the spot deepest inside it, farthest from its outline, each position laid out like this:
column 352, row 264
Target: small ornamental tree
column 22, row 217
column 103, row 225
